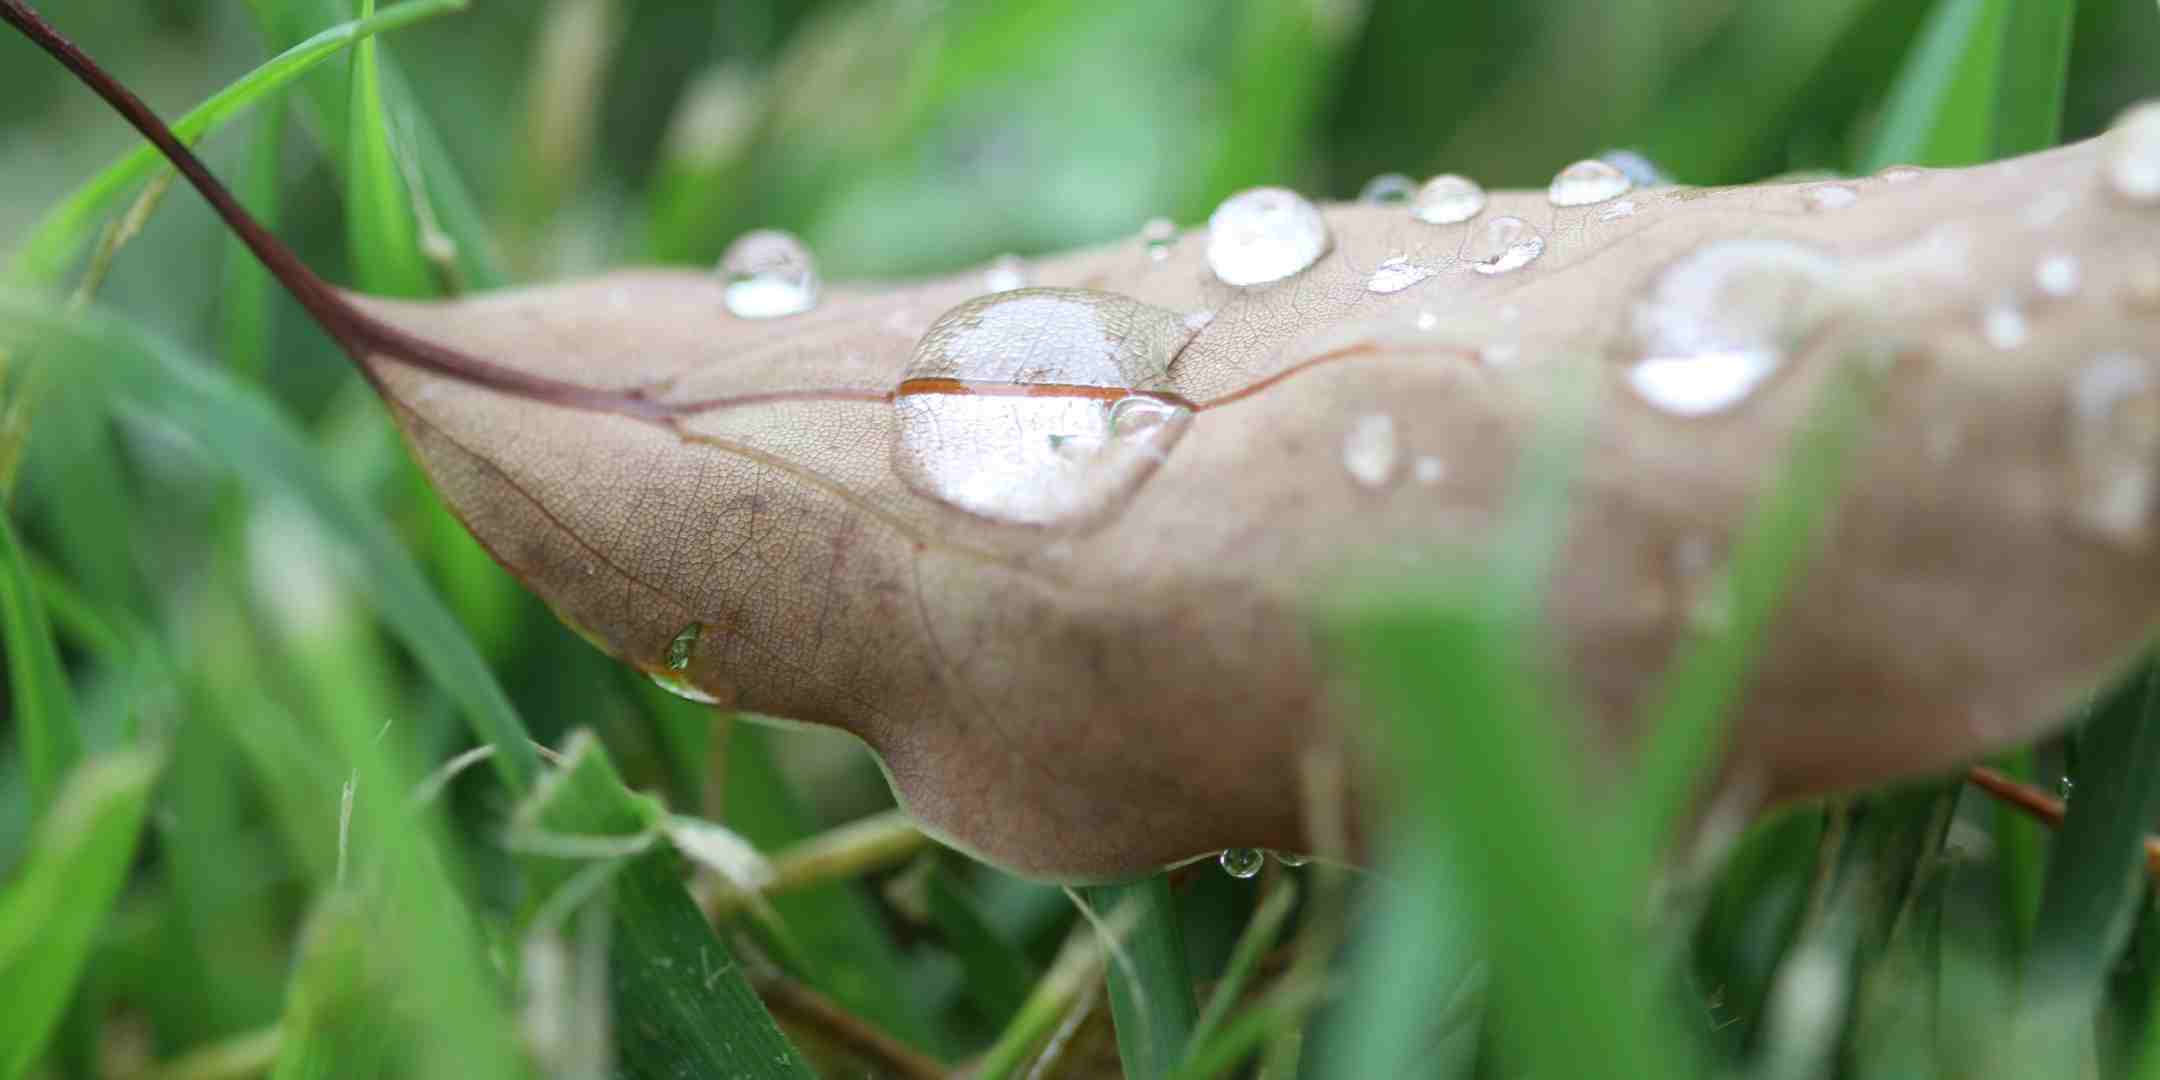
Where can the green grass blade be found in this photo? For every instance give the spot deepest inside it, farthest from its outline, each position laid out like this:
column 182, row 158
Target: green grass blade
column 1941, row 110
column 39, row 702
column 2095, row 873
column 1697, row 692
column 1151, row 995
column 152, row 378
column 694, row 1011
column 247, row 286
column 2035, row 75
column 996, row 974
column 1259, row 936
column 50, row 911
column 380, row 228
column 56, row 238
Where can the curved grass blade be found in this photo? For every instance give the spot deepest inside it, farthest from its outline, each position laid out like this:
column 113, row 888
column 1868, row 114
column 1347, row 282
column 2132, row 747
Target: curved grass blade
column 39, row 701
column 150, row 377
column 245, row 299
column 2035, row 73
column 52, row 243
column 379, row 221
column 1941, row 110
column 51, row 910
column 1151, row 996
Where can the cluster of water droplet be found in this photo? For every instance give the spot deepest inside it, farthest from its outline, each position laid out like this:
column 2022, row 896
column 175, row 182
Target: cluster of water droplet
column 1245, row 863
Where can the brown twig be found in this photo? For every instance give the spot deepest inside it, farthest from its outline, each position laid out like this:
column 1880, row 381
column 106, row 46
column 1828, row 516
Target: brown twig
column 2040, row 806
column 792, row 1002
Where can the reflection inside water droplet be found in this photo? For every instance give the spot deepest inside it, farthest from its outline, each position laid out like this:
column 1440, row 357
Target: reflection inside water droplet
column 684, row 643
column 769, row 274
column 1505, row 243
column 1242, row 862
column 1587, row 182
column 2114, row 436
column 1387, row 189
column 1265, row 234
column 1447, row 199
column 1040, row 406
column 1717, row 323
column 1368, row 449
column 1396, row 274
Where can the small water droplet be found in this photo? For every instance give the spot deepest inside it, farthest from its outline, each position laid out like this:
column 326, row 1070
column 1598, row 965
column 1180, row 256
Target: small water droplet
column 1292, row 859
column 1387, row 189
column 1637, row 167
column 1396, row 274
column 1832, row 196
column 1429, row 470
column 1039, row 406
column 2057, row 275
column 2114, row 436
column 1901, row 174
column 1368, row 449
column 685, row 643
column 1587, row 182
column 680, row 687
column 1006, row 273
column 1625, row 208
column 1242, row 862
column 1447, row 199
column 2003, row 325
column 1717, row 323
column 1265, row 234
column 1505, row 243
column 1158, row 235
column 1426, row 320
column 2064, row 788
column 769, row 274
column 2133, row 165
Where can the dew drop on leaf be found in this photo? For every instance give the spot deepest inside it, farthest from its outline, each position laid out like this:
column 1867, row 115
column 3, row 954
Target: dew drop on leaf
column 2114, row 435
column 1587, row 182
column 1447, row 199
column 1428, row 470
column 1157, row 235
column 1291, row 859
column 1039, row 406
column 1369, row 450
column 1005, row 273
column 1505, row 243
column 1395, row 274
column 2133, row 163
column 1832, row 196
column 1717, row 323
column 2057, row 275
column 1242, row 862
column 1637, row 167
column 1387, row 189
column 1265, row 234
column 684, row 644
column 769, row 274
column 2003, row 325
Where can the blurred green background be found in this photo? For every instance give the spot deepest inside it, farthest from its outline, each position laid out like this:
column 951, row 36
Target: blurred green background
column 896, row 138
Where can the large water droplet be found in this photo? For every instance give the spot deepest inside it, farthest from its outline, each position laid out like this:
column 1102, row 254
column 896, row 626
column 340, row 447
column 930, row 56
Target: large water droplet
column 1395, row 274
column 1505, row 243
column 1265, row 234
column 1040, row 406
column 1242, row 862
column 2114, row 436
column 1447, row 199
column 1718, row 323
column 1006, row 273
column 1637, row 167
column 1586, row 182
column 2004, row 325
column 2057, row 275
column 2133, row 165
column 1832, row 196
column 1369, row 450
column 769, row 274
column 1158, row 234
column 1387, row 189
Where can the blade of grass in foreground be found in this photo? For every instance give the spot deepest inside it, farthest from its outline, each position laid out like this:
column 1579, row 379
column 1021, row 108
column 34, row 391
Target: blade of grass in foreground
column 149, row 377
column 246, row 296
column 694, row 1011
column 51, row 910
column 1151, row 995
column 1941, row 109
column 379, row 221
column 53, row 242
column 2035, row 72
column 39, row 702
